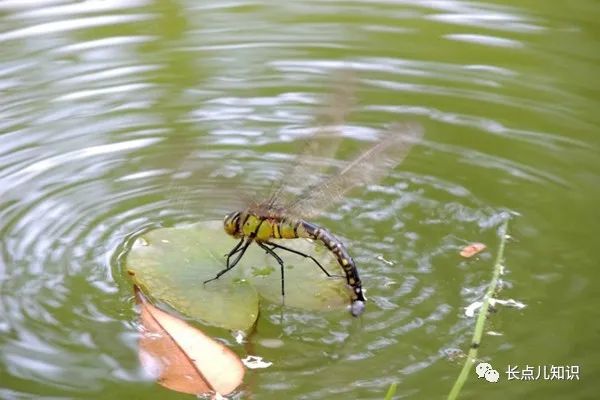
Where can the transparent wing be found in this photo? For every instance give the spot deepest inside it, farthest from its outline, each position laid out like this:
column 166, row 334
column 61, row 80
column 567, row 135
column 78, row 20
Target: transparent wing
column 368, row 167
column 316, row 152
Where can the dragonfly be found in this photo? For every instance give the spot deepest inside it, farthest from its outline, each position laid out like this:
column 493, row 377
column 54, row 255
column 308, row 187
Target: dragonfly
column 285, row 213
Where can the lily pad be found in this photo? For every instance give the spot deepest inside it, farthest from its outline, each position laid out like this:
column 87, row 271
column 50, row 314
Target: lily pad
column 171, row 265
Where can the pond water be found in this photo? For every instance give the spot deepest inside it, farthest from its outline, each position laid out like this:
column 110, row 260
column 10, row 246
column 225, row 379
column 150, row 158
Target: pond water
column 121, row 116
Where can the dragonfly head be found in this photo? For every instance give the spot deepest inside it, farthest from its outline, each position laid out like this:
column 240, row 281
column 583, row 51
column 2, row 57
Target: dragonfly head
column 231, row 224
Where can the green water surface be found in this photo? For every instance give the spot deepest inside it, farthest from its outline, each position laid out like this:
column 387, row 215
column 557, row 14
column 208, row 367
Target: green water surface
column 121, row 117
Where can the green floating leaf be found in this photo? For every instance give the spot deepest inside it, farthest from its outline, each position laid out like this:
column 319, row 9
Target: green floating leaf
column 171, row 265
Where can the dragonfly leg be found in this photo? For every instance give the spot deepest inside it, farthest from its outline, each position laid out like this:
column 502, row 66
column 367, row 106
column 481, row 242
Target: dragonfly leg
column 241, row 250
column 279, row 261
column 305, row 256
column 234, row 250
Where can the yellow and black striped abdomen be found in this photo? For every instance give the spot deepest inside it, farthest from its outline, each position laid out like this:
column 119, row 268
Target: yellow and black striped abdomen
column 287, row 229
column 307, row 229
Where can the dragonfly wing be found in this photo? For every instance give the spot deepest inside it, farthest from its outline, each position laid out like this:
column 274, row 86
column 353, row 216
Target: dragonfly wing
column 368, row 167
column 316, row 152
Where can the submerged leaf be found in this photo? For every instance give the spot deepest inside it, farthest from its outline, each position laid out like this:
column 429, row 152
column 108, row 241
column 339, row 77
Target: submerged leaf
column 171, row 264
column 181, row 357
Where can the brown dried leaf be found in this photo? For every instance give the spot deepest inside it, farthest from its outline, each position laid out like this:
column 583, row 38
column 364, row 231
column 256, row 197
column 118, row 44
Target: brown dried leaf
column 472, row 249
column 181, row 357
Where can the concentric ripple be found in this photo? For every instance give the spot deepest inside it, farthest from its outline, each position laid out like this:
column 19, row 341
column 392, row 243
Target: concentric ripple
column 122, row 116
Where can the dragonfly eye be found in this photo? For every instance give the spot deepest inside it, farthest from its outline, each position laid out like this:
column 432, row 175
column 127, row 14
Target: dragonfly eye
column 230, row 223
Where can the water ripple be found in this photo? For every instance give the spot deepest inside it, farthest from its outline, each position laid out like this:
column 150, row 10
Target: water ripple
column 70, row 25
column 121, row 116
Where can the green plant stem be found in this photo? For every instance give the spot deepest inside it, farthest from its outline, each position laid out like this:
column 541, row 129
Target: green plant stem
column 481, row 318
column 391, row 391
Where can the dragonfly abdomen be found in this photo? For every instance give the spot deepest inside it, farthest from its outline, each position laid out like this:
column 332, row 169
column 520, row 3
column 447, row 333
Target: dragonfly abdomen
column 306, row 229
